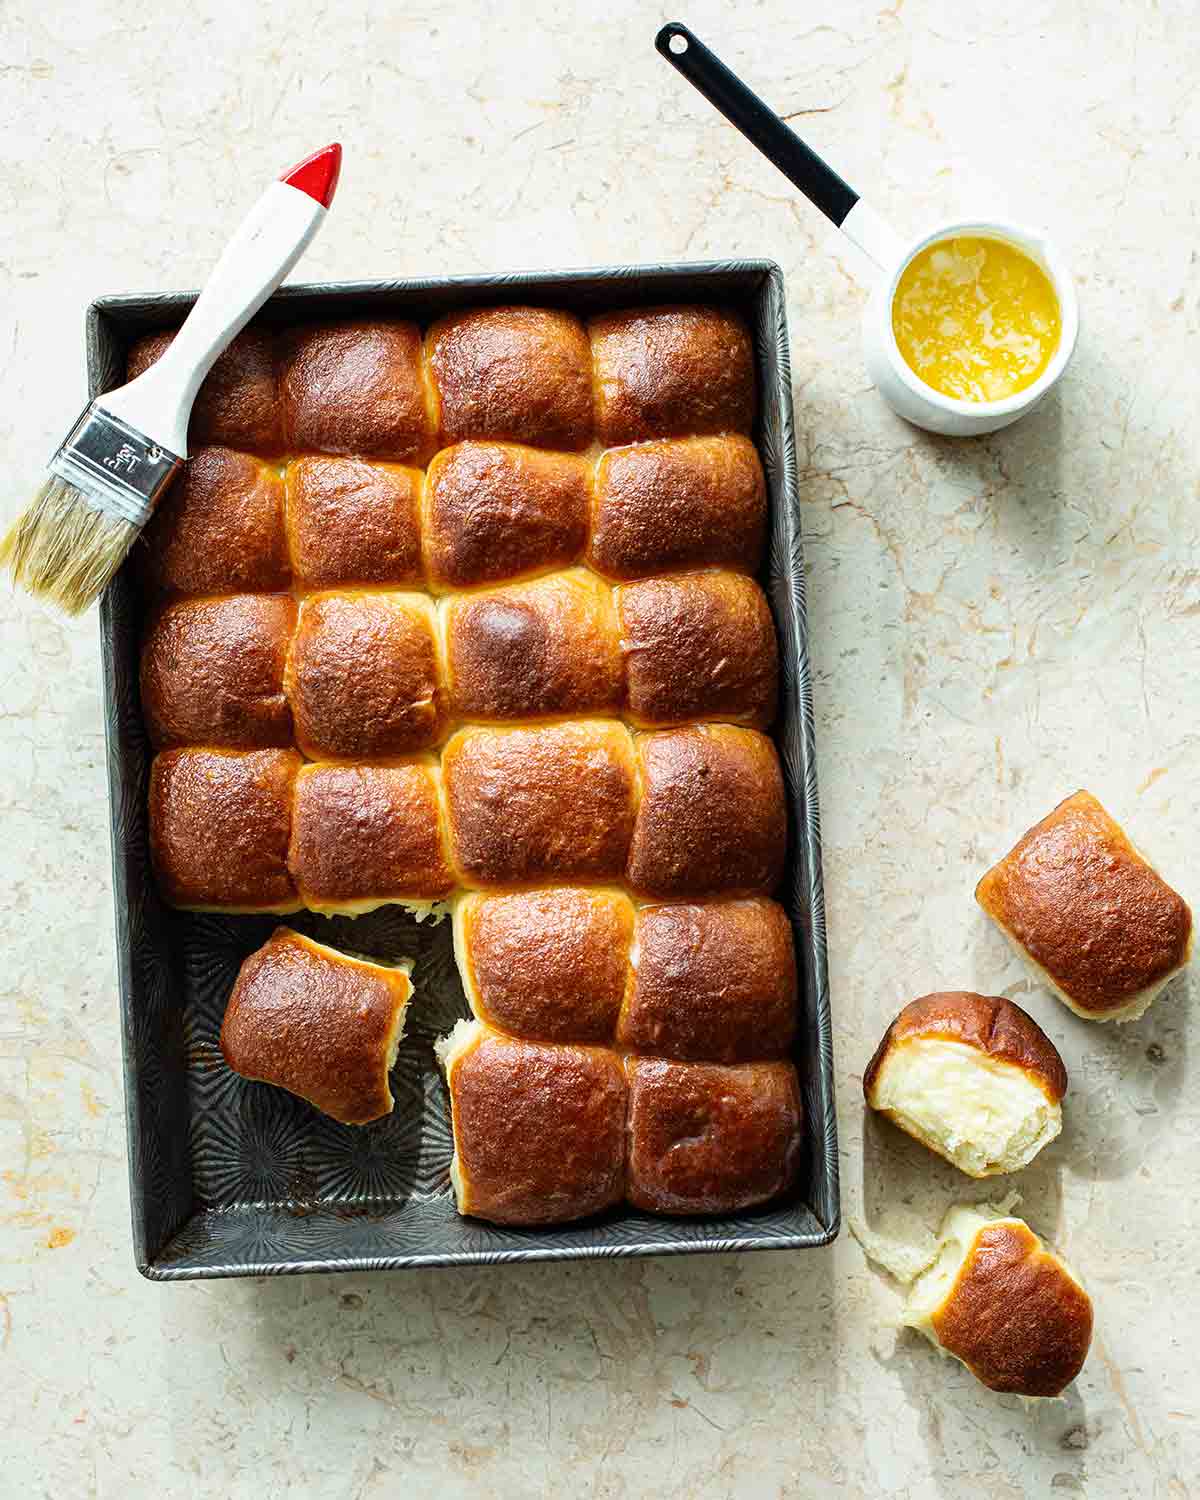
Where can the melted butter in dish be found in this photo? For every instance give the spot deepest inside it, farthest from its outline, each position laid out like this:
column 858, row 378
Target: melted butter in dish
column 975, row 318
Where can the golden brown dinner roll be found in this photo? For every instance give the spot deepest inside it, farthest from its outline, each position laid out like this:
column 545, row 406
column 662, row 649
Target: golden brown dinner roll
column 712, row 818
column 497, row 511
column 997, row 1300
column 714, row 982
column 366, row 835
column 691, row 503
column 219, row 827
column 218, row 530
column 212, row 672
column 363, row 676
column 356, row 387
column 522, row 373
column 350, row 522
column 553, row 803
column 698, row 646
column 539, row 1131
column 238, row 402
column 550, row 966
column 1080, row 903
column 671, row 372
column 709, row 1139
column 318, row 1023
column 973, row 1078
column 550, row 647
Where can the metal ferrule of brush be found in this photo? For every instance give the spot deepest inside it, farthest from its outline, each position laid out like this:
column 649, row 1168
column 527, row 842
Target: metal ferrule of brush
column 118, row 469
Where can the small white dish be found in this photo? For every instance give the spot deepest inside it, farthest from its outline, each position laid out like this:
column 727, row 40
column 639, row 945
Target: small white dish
column 903, row 390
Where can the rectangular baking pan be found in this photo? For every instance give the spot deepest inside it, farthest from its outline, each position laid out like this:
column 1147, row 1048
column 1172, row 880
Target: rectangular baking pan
column 237, row 1183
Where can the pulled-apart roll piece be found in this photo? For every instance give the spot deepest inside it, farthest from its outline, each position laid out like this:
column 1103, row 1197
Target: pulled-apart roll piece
column 219, row 827
column 698, row 646
column 1090, row 915
column 363, row 676
column 356, row 387
column 496, row 511
column 366, row 835
column 973, row 1078
column 353, row 522
column 685, row 503
column 218, row 530
column 553, row 803
column 671, row 371
column 713, row 982
column 318, row 1023
column 238, row 400
column 522, row 373
column 212, row 672
column 710, row 1139
column 534, row 650
column 712, row 818
column 1002, row 1304
column 539, row 1131
column 548, row 965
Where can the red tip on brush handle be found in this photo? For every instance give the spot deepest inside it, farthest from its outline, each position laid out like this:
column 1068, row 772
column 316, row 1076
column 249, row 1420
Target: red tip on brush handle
column 317, row 175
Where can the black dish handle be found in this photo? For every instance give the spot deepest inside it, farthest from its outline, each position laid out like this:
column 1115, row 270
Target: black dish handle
column 705, row 71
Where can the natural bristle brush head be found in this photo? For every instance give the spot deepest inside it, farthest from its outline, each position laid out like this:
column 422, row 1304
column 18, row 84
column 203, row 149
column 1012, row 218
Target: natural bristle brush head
column 62, row 550
column 114, row 465
column 100, row 489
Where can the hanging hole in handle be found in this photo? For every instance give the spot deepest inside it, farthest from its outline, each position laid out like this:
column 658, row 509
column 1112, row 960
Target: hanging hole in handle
column 677, row 43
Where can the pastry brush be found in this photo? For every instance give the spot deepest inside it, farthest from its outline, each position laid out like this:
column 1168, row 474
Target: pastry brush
column 118, row 459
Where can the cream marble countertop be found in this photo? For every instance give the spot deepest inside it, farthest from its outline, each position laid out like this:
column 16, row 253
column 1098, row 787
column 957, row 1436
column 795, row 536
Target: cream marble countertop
column 994, row 623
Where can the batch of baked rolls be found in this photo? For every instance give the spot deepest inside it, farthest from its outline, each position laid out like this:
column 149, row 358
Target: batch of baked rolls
column 465, row 619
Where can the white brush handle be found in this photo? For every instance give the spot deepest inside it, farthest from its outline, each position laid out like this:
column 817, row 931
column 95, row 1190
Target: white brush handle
column 267, row 244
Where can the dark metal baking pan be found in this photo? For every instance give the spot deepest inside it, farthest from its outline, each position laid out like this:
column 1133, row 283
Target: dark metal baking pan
column 230, row 1178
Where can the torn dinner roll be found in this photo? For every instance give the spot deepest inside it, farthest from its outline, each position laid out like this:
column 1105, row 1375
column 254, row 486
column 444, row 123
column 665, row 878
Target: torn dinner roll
column 1088, row 912
column 318, row 1023
column 973, row 1078
column 1002, row 1304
